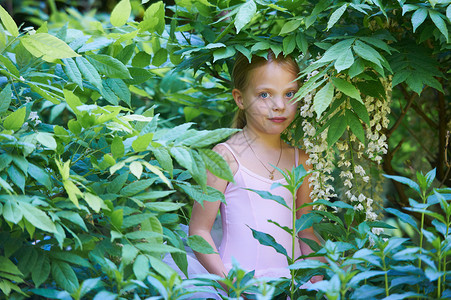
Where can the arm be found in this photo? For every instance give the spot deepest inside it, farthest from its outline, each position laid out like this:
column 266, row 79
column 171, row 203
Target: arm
column 202, row 219
column 302, row 197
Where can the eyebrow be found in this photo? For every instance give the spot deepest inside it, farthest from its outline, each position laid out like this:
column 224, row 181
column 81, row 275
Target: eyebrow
column 264, row 87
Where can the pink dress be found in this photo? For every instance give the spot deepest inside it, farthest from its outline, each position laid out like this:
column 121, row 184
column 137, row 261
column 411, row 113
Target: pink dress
column 244, row 209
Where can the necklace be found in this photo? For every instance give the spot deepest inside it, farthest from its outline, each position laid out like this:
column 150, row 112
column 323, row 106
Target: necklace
column 271, row 173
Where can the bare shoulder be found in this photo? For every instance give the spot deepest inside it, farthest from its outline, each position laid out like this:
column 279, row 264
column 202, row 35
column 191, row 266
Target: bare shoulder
column 227, row 155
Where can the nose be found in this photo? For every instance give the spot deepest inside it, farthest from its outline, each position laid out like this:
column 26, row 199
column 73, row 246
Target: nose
column 278, row 103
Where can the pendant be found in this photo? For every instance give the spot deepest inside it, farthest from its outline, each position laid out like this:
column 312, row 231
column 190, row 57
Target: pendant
column 271, row 175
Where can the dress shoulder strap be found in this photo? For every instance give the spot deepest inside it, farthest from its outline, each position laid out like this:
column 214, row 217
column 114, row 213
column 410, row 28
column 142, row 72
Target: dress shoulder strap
column 231, row 151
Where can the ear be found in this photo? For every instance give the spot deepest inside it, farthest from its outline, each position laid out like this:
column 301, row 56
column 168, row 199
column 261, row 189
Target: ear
column 238, row 97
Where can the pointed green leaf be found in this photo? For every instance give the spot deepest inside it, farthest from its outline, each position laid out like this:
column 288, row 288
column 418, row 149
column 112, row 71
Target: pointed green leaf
column 37, row 217
column 267, row 240
column 199, row 244
column 46, row 139
column 336, row 15
column 307, row 221
column 8, row 22
column 323, row 98
column 160, row 57
column 5, row 97
column 355, row 125
column 15, row 120
column 418, row 17
column 439, row 22
column 121, row 13
column 47, row 46
column 40, row 175
column 347, row 88
column 109, row 66
column 94, row 201
column 290, row 26
column 72, row 71
column 270, row 196
column 245, row 14
column 89, row 72
column 141, row 267
column 344, row 61
column 405, row 181
column 216, row 164
column 336, row 129
column 41, row 270
column 64, row 276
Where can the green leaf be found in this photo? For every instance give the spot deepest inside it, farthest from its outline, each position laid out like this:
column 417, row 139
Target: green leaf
column 8, row 266
column 129, row 253
column 439, row 22
column 136, row 187
column 8, row 22
column 183, row 157
column 17, row 177
column 216, row 164
column 307, row 264
column 448, row 12
column 142, row 142
column 412, row 184
column 289, row 43
column 335, row 51
column 12, row 212
column 361, row 111
column 368, row 53
column 344, row 61
column 117, row 147
column 160, row 57
column 64, row 276
column 141, row 267
column 245, row 14
column 47, row 46
column 120, row 89
column 403, row 217
column 37, row 217
column 355, row 125
column 72, row 71
column 307, row 221
column 46, row 139
column 109, row 66
column 164, row 206
column 136, row 168
column 40, row 175
column 270, row 196
column 153, row 18
column 89, row 72
column 94, row 201
column 336, row 129
column 267, row 240
column 196, row 193
column 204, row 138
column 223, row 53
column 323, row 98
column 418, row 17
column 117, row 218
column 336, row 15
column 347, row 88
column 5, row 97
column 121, row 13
column 164, row 159
column 290, row 26
column 15, row 120
column 41, row 270
column 199, row 244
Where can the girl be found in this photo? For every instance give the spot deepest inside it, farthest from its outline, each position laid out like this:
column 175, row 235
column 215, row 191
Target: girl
column 263, row 91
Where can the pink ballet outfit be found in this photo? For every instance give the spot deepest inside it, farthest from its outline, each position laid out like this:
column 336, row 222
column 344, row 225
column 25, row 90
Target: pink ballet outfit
column 244, row 209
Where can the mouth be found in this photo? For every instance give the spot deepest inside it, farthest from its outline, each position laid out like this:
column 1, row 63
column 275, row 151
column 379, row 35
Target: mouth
column 278, row 119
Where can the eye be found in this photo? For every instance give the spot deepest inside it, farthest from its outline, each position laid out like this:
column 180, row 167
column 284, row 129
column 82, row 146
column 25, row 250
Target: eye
column 264, row 95
column 289, row 94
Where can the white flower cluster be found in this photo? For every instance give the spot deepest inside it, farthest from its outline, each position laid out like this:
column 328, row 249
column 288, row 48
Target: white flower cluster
column 320, row 155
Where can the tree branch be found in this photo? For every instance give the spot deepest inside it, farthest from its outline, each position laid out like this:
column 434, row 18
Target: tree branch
column 422, row 114
column 410, row 98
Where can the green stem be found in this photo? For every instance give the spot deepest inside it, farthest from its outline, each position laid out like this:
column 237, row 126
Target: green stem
column 293, row 242
column 386, row 277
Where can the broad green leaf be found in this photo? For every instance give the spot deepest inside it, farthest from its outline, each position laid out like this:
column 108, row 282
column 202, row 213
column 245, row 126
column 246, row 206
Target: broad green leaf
column 158, row 248
column 403, row 217
column 89, row 284
column 307, row 221
column 216, row 164
column 121, row 13
column 448, row 12
column 17, row 177
column 73, row 101
column 405, row 181
column 344, row 61
column 117, row 218
column 119, row 88
column 9, row 65
column 355, row 125
column 8, row 22
column 117, row 147
column 347, row 88
column 40, row 175
column 361, row 111
column 335, row 51
column 290, row 26
column 161, row 267
column 223, row 53
column 204, row 138
column 94, row 201
column 109, row 66
column 368, row 53
column 12, row 211
column 73, row 217
column 356, row 279
column 182, row 156
column 323, row 98
column 196, row 193
column 289, row 43
column 46, row 139
column 47, row 46
column 164, row 159
column 72, row 71
column 37, row 217
column 136, row 168
column 164, row 206
column 307, row 264
column 70, row 257
column 89, row 72
column 336, row 15
column 157, row 171
column 142, row 142
column 439, row 22
column 160, row 57
column 64, row 276
column 5, row 97
column 199, row 244
column 336, row 129
column 270, row 196
column 15, row 120
column 141, row 267
column 245, row 14
column 267, row 240
column 41, row 270
column 129, row 253
column 418, row 17
column 98, row 43
column 136, row 187
column 153, row 18
column 8, row 266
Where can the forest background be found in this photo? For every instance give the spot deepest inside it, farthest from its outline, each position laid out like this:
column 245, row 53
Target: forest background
column 108, row 110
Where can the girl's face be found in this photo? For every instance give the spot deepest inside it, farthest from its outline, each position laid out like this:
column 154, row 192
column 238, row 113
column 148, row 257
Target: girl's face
column 267, row 99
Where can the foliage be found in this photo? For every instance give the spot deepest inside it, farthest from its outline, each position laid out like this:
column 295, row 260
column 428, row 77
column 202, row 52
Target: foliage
column 98, row 160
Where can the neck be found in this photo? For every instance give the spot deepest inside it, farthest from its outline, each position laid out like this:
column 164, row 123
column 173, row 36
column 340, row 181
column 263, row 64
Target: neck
column 268, row 141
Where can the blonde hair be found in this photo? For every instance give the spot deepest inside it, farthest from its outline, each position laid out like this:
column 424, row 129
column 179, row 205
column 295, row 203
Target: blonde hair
column 240, row 76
